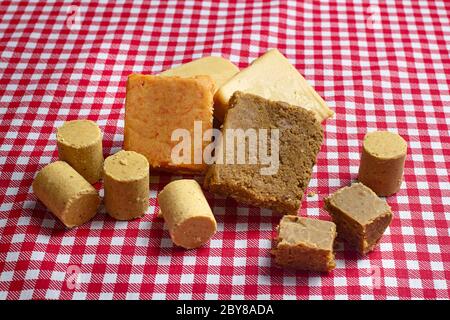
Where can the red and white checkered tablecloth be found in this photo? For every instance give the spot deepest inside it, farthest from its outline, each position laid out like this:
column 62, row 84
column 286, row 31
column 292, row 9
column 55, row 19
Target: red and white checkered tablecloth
column 379, row 65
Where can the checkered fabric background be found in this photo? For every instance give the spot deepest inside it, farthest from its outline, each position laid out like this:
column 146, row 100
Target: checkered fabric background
column 379, row 65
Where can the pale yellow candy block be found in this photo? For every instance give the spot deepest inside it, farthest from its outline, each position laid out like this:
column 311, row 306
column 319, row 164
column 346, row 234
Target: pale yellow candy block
column 272, row 76
column 218, row 68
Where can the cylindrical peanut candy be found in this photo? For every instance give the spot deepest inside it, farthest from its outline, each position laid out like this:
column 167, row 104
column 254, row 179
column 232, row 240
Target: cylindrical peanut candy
column 66, row 193
column 80, row 145
column 126, row 182
column 382, row 162
column 188, row 216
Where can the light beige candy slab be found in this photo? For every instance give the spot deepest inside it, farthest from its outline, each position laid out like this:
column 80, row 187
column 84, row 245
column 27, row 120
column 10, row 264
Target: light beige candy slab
column 218, row 68
column 272, row 77
column 126, row 184
column 66, row 194
column 188, row 215
column 80, row 145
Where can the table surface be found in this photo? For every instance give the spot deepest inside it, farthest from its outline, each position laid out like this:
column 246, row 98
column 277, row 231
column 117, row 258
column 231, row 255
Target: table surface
column 379, row 66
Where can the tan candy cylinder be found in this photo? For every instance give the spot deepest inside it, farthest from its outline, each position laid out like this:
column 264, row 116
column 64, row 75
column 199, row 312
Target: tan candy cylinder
column 80, row 145
column 126, row 182
column 382, row 162
column 66, row 193
column 188, row 216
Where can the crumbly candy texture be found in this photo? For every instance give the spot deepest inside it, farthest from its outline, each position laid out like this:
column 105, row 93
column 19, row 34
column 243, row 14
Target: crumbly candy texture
column 66, row 193
column 80, row 145
column 360, row 215
column 187, row 213
column 155, row 106
column 126, row 185
column 300, row 139
column 382, row 162
column 305, row 244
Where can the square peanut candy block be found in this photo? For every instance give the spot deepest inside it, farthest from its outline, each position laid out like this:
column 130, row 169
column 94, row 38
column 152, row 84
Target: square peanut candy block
column 360, row 215
column 300, row 139
column 157, row 106
column 305, row 244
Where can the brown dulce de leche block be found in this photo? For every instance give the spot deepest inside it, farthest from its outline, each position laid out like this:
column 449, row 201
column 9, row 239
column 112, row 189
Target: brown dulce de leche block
column 300, row 139
column 80, row 145
column 382, row 161
column 156, row 107
column 126, row 183
column 305, row 244
column 188, row 215
column 360, row 215
column 71, row 198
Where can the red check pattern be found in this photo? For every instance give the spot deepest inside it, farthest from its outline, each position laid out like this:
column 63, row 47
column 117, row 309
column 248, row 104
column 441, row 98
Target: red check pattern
column 379, row 65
